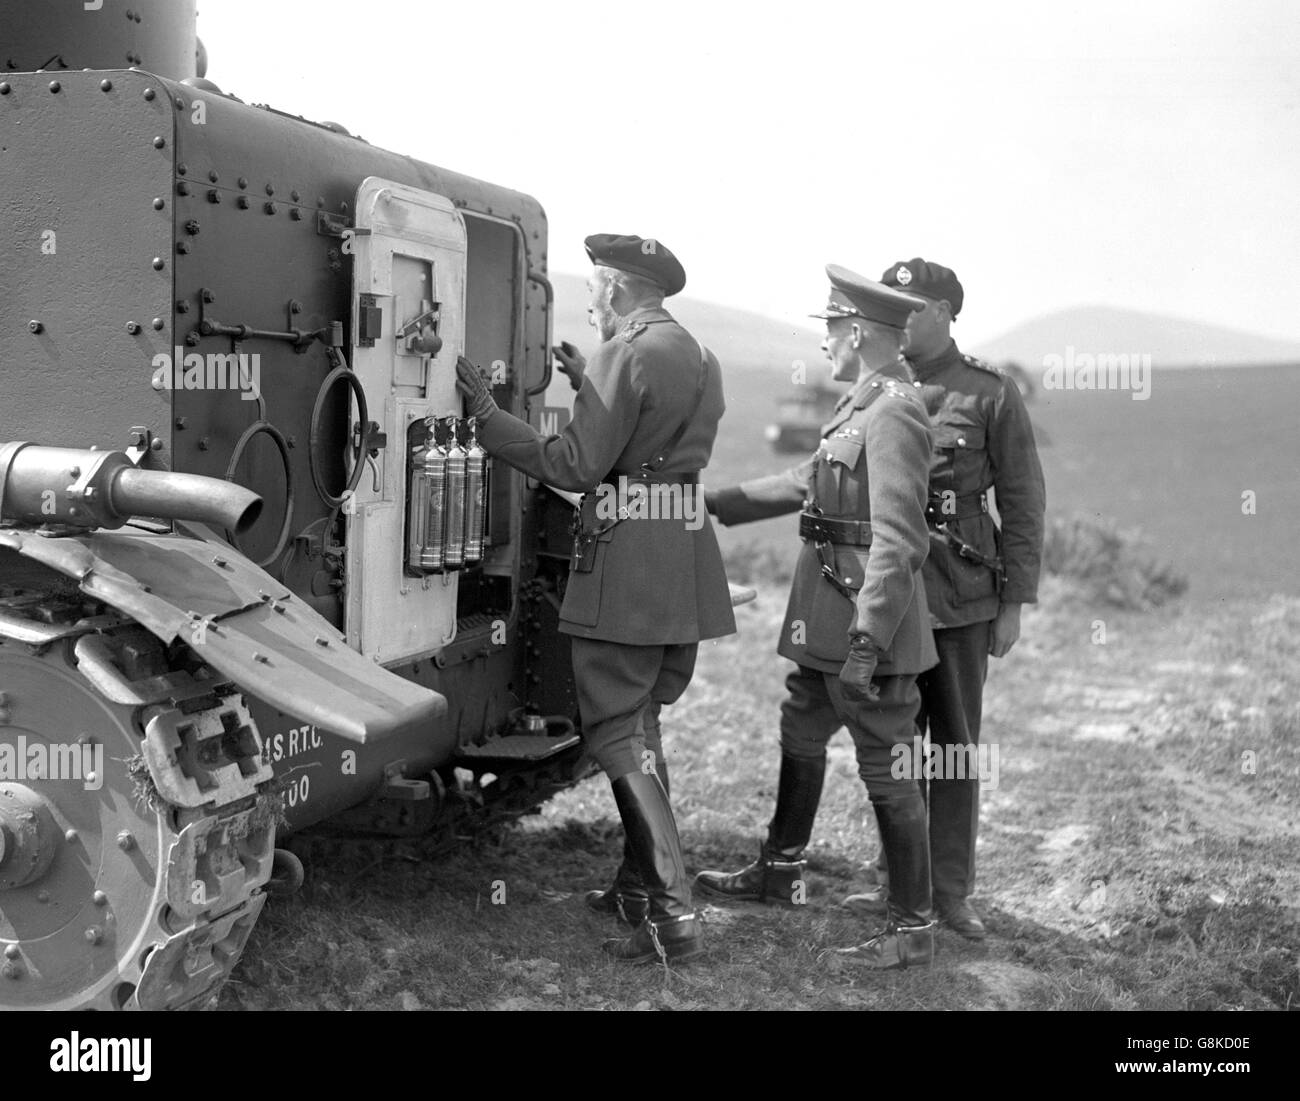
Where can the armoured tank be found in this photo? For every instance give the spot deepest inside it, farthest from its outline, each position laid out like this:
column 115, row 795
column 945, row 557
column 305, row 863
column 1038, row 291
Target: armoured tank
column 800, row 416
column 255, row 575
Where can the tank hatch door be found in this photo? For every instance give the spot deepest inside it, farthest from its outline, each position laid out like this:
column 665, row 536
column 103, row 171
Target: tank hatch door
column 408, row 324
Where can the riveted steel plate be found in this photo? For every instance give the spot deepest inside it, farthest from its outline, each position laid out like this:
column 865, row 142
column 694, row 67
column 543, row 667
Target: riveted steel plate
column 74, row 278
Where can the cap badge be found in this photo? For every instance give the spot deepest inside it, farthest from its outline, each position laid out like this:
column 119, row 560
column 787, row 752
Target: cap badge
column 904, row 276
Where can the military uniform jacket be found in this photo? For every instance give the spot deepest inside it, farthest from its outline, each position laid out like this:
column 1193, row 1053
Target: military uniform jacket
column 654, row 581
column 982, row 439
column 872, row 465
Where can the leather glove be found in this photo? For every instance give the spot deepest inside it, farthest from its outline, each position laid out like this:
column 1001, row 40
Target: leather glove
column 572, row 363
column 478, row 396
column 859, row 668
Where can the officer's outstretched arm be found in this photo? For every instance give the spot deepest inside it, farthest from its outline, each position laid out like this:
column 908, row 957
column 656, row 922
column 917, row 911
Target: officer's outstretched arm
column 605, row 415
column 898, row 468
column 761, row 498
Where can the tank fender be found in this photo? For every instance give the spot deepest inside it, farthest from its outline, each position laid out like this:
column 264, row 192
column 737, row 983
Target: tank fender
column 239, row 620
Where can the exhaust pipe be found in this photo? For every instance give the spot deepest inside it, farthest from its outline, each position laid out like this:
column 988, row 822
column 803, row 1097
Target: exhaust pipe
column 186, row 497
column 104, row 489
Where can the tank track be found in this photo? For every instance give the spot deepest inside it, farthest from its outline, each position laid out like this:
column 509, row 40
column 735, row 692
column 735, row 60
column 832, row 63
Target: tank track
column 171, row 878
column 166, row 867
column 220, row 849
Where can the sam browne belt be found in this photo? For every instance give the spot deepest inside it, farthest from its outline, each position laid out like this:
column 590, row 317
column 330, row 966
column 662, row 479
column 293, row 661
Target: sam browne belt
column 587, row 530
column 944, row 507
column 656, row 477
column 822, row 529
column 824, row 532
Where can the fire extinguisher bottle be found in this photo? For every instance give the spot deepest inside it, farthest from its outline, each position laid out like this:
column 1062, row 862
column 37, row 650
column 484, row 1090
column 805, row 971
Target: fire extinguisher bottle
column 419, row 510
column 454, row 540
column 476, row 466
column 435, row 471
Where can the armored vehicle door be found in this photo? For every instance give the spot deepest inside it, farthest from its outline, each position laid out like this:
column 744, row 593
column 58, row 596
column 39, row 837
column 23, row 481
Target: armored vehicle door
column 408, row 327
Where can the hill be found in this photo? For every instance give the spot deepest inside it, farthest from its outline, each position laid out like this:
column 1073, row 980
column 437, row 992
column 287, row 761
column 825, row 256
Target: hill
column 741, row 340
column 1169, row 341
column 744, row 340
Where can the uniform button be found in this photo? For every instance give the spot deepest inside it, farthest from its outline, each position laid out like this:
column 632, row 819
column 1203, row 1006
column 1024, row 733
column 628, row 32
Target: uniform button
column 961, row 441
column 917, row 385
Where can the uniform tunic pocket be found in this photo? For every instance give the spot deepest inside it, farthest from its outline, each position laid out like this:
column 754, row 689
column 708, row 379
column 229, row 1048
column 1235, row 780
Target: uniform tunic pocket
column 962, row 472
column 582, row 593
column 837, row 489
column 845, row 450
column 962, row 447
column 830, row 612
column 972, row 580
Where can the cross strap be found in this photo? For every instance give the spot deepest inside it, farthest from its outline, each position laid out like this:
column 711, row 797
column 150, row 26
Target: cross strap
column 663, row 453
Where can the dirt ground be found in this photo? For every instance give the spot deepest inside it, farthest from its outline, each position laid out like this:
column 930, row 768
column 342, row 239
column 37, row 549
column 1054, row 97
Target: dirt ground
column 1138, row 850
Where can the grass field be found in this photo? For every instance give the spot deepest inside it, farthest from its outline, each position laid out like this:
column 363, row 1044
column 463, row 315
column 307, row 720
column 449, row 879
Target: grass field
column 1126, row 859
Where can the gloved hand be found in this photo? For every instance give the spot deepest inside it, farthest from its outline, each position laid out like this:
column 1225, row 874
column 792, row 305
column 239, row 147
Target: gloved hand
column 859, row 668
column 478, row 396
column 572, row 363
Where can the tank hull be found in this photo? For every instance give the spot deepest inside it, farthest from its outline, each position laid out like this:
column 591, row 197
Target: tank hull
column 172, row 211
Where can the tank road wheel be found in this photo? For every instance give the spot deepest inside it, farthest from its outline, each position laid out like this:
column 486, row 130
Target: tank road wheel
column 135, row 838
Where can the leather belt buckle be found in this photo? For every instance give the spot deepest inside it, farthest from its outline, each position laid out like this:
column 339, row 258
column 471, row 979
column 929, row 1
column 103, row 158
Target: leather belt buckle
column 822, row 529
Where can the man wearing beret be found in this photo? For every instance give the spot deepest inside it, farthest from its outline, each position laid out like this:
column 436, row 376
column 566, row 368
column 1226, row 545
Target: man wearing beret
column 855, row 625
column 976, row 578
column 643, row 591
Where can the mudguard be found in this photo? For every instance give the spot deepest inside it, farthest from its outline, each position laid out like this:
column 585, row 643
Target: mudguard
column 239, row 620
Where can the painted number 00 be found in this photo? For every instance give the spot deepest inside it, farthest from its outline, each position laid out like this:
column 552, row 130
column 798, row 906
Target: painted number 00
column 297, row 791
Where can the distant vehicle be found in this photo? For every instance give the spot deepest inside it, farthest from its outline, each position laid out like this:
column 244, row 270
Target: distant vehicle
column 800, row 416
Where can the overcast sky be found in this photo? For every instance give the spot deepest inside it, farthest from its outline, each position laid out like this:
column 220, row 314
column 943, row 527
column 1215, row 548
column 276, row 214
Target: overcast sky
column 1141, row 155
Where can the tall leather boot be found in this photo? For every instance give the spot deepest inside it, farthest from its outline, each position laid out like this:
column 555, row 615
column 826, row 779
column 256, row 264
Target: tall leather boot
column 954, row 822
column 777, row 875
column 671, row 931
column 626, row 897
column 907, row 939
column 875, row 900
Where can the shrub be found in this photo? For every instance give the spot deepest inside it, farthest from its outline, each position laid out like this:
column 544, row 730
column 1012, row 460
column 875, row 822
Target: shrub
column 1097, row 559
column 1107, row 563
column 757, row 563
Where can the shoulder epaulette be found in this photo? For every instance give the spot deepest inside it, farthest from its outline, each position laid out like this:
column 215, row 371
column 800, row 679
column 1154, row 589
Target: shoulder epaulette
column 632, row 331
column 975, row 361
column 890, row 386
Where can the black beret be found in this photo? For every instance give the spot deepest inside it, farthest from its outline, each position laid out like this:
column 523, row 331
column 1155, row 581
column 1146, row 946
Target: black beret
column 645, row 257
column 918, row 276
column 854, row 295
